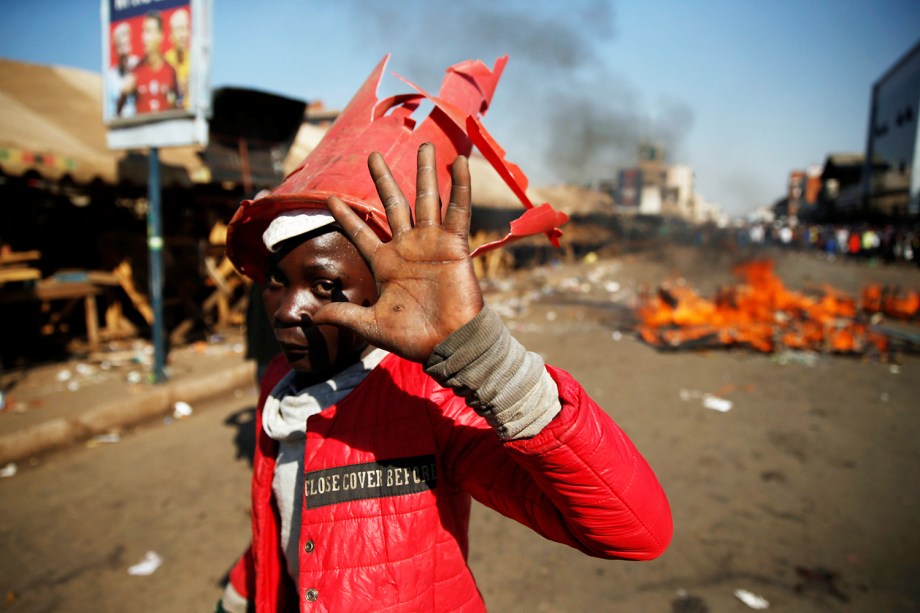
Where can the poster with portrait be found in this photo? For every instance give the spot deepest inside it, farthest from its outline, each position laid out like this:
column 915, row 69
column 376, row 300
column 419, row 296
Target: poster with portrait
column 155, row 71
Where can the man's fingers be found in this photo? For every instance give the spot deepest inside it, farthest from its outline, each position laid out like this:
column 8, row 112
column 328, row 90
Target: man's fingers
column 427, row 197
column 357, row 231
column 457, row 218
column 394, row 202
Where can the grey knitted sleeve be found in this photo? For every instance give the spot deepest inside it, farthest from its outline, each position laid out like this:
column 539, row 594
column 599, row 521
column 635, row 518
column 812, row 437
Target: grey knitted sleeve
column 499, row 379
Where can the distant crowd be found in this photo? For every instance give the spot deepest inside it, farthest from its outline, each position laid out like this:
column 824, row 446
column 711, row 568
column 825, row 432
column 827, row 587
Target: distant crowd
column 888, row 243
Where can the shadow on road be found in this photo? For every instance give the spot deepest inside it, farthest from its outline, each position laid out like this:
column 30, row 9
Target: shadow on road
column 244, row 421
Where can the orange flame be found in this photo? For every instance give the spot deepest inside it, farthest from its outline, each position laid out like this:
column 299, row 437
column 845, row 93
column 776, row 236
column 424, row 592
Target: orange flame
column 762, row 314
column 891, row 301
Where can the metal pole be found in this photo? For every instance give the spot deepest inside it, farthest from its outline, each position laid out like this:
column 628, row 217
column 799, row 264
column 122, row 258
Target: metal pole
column 155, row 248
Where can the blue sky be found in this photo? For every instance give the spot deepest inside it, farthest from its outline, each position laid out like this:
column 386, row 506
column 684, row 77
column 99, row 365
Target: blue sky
column 742, row 91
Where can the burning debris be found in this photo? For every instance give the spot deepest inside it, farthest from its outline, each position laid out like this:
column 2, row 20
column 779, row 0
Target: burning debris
column 891, row 302
column 760, row 313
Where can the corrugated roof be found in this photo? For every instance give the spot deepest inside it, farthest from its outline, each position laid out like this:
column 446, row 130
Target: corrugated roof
column 491, row 192
column 846, row 159
column 308, row 136
column 51, row 121
column 574, row 200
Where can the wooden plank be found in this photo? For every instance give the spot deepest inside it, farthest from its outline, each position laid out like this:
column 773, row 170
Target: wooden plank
column 116, row 324
column 92, row 322
column 216, row 275
column 19, row 273
column 53, row 290
column 102, row 277
column 18, row 257
column 48, row 290
column 123, row 273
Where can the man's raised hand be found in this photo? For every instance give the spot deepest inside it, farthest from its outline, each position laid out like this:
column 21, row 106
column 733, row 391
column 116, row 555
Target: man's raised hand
column 425, row 280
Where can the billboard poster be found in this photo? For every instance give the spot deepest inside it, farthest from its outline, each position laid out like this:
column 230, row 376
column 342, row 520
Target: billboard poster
column 155, row 71
column 629, row 185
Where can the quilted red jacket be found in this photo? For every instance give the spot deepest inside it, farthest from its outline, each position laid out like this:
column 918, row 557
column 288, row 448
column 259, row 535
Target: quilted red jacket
column 389, row 472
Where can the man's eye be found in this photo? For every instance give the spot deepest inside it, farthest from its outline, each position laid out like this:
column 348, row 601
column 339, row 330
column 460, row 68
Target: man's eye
column 324, row 288
column 273, row 277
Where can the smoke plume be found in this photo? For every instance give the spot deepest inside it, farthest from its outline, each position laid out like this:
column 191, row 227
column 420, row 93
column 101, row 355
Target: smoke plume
column 560, row 110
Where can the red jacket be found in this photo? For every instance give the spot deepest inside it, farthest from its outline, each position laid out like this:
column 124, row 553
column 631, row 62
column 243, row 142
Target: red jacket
column 389, row 472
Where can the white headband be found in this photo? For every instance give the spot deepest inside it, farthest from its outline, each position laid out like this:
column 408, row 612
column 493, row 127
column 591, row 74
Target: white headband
column 294, row 223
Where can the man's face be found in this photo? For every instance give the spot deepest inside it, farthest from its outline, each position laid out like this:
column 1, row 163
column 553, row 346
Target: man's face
column 322, row 269
column 152, row 36
column 121, row 39
column 179, row 31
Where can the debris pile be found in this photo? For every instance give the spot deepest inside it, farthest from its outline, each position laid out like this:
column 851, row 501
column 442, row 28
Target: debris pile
column 891, row 302
column 760, row 313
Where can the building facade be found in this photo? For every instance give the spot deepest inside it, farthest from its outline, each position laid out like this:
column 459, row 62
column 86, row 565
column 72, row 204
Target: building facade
column 891, row 173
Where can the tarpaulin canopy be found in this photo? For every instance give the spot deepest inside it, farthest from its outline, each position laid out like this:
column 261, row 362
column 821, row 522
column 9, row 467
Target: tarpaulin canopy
column 491, row 192
column 51, row 124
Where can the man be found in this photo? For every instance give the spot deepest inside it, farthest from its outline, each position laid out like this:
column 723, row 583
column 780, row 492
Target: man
column 153, row 81
column 400, row 395
column 178, row 55
column 120, row 71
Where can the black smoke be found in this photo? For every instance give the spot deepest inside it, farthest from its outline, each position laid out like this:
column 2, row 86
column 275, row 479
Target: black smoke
column 561, row 111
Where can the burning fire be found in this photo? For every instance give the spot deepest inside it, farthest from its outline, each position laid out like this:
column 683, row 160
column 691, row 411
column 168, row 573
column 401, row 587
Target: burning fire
column 890, row 301
column 762, row 314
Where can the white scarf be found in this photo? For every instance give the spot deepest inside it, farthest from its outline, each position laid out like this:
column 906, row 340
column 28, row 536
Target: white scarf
column 287, row 407
column 284, row 418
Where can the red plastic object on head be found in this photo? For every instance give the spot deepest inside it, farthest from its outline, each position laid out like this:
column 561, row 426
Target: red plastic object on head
column 338, row 165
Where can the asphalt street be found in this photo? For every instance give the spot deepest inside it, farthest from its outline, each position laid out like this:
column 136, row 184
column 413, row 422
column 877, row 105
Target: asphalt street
column 803, row 492
column 74, row 522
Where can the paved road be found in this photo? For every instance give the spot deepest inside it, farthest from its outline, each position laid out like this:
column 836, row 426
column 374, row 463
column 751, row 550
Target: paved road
column 73, row 524
column 806, row 492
